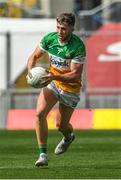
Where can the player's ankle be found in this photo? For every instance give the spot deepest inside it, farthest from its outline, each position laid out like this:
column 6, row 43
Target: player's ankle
column 68, row 139
column 43, row 148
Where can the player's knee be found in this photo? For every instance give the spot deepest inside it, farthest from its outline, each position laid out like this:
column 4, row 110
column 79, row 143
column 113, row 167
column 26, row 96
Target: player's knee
column 41, row 115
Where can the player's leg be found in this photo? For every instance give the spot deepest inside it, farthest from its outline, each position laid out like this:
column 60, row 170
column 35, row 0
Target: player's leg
column 63, row 118
column 63, row 125
column 46, row 100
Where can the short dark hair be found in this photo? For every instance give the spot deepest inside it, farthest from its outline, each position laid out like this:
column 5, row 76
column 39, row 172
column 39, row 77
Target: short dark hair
column 68, row 18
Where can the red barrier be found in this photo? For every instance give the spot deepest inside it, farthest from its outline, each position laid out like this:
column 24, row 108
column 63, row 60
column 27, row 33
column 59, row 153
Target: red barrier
column 25, row 119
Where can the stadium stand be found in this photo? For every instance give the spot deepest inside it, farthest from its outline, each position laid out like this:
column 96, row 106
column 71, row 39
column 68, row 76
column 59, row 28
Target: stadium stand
column 21, row 9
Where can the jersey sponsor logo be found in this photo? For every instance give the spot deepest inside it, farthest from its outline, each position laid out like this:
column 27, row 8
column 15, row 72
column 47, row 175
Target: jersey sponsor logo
column 59, row 62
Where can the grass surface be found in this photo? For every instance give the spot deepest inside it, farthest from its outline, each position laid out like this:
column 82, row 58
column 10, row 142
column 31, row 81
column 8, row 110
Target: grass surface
column 93, row 155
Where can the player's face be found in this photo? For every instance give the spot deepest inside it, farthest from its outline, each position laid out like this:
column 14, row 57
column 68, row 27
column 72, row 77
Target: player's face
column 64, row 32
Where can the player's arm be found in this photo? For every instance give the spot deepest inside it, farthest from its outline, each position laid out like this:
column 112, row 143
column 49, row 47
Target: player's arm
column 33, row 57
column 73, row 75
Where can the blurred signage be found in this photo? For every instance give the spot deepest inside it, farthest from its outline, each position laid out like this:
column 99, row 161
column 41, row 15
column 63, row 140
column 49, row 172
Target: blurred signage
column 25, row 119
column 104, row 60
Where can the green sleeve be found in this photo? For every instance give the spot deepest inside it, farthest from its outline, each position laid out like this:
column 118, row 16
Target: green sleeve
column 43, row 44
column 80, row 54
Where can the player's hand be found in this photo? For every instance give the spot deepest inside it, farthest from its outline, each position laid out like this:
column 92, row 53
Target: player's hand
column 47, row 79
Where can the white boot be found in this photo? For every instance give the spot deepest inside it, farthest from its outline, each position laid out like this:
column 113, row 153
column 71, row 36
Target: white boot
column 63, row 145
column 42, row 160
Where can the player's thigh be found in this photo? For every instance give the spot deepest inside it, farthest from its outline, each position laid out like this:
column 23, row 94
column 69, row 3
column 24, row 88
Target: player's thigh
column 64, row 115
column 46, row 100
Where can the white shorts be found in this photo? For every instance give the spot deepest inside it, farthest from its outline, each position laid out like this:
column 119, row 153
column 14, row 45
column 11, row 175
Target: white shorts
column 67, row 98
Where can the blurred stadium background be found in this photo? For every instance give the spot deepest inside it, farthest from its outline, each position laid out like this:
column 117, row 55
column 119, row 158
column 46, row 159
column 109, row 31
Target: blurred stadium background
column 98, row 23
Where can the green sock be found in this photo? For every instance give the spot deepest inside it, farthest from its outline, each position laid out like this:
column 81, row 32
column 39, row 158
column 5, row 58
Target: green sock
column 43, row 148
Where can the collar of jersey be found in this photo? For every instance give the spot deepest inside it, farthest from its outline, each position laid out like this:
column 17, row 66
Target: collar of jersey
column 62, row 44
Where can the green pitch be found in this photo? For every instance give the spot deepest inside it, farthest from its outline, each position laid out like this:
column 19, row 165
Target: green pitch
column 93, row 154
